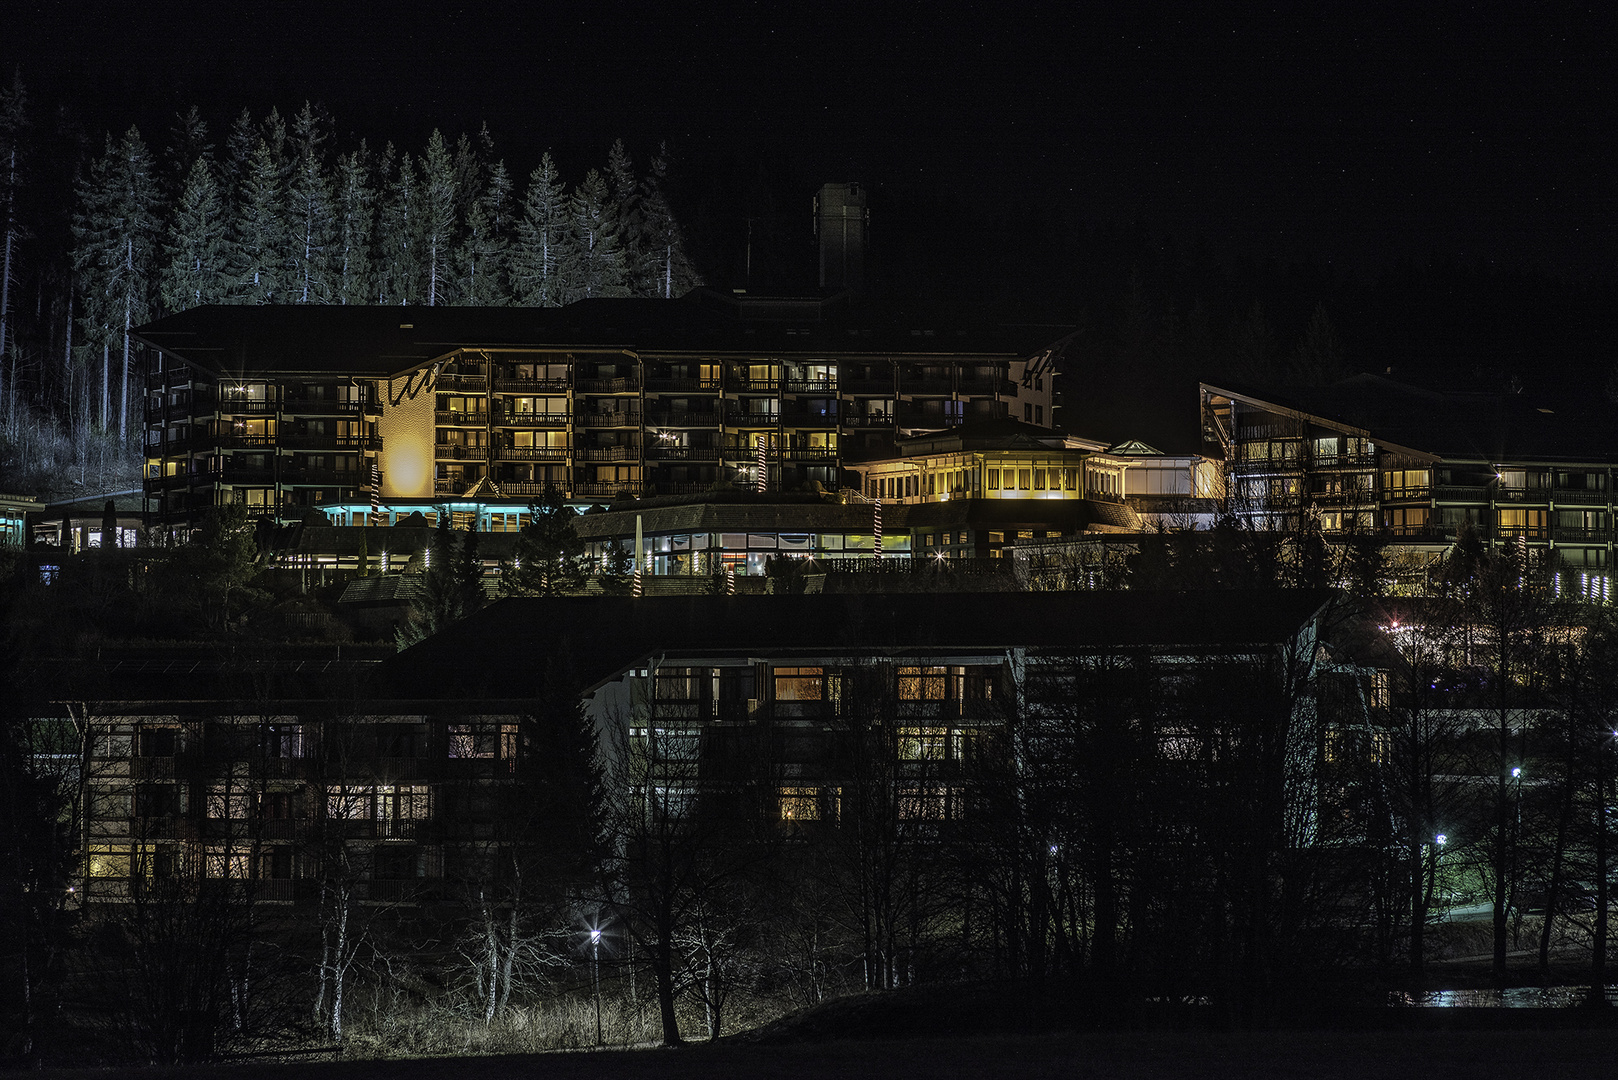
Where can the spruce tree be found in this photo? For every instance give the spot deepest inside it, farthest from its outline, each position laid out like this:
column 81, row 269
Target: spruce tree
column 625, row 196
column 399, row 235
column 481, row 257
column 544, row 240
column 437, row 192
column 597, row 268
column 188, row 141
column 13, row 121
column 665, row 270
column 310, row 219
column 548, row 557
column 240, row 142
column 353, row 275
column 197, row 267
column 260, row 232
column 115, row 246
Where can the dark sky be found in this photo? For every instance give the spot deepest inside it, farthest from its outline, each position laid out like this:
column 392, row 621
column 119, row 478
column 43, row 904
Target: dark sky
column 1485, row 133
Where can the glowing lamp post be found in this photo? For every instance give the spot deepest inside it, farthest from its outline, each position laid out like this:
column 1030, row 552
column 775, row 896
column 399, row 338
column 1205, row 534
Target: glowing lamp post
column 595, row 977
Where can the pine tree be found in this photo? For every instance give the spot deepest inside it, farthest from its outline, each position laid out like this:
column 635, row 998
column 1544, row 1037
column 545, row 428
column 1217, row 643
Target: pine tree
column 544, row 240
column 188, row 141
column 399, row 236
column 625, row 196
column 437, row 217
column 311, row 217
column 451, row 587
column 353, row 279
column 240, row 142
column 115, row 245
column 483, row 252
column 597, row 268
column 13, row 121
column 548, row 556
column 197, row 268
column 260, row 232
column 665, row 270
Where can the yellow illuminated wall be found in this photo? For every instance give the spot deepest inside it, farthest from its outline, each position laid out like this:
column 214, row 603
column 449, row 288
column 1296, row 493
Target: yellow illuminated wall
column 406, row 428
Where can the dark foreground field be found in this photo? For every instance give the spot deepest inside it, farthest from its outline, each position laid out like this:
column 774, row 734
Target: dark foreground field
column 1422, row 1055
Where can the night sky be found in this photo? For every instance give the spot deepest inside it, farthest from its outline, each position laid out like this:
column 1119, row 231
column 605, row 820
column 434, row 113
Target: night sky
column 1485, row 134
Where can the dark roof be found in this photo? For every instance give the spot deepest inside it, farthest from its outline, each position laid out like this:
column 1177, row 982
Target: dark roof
column 503, row 650
column 1489, row 427
column 1005, row 433
column 379, row 341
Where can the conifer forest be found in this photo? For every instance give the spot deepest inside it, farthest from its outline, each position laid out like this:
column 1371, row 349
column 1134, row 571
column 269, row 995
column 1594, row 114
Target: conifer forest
column 275, row 210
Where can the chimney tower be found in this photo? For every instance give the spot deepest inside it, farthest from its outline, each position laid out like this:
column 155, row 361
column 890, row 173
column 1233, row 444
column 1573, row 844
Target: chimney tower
column 841, row 222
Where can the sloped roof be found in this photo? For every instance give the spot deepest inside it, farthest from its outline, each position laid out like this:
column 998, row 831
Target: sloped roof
column 241, row 340
column 494, row 653
column 1456, row 425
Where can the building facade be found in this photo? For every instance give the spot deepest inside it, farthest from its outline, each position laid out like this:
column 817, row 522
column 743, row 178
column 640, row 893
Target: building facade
column 1373, row 457
column 289, row 409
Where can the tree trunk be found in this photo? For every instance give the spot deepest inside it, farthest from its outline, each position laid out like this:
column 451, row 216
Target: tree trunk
column 1598, row 936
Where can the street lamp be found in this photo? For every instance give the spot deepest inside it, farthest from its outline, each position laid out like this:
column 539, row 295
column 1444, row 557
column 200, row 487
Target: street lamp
column 595, row 976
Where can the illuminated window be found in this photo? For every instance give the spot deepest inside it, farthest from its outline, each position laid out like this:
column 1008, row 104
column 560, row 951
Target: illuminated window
column 994, row 479
column 1025, row 479
column 107, row 861
column 466, row 741
column 800, row 804
column 929, row 803
column 923, row 744
column 799, row 684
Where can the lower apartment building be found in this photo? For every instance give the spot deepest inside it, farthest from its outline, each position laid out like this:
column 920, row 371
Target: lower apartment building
column 390, row 782
column 1372, row 457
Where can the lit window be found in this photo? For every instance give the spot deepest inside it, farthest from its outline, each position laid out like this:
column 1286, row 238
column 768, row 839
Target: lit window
column 800, row 804
column 799, row 684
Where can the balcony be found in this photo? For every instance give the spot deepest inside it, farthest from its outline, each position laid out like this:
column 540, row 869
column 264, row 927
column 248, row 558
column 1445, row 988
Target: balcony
column 740, row 417
column 1574, row 534
column 531, row 386
column 925, row 384
column 531, row 453
column 1522, row 495
column 456, row 417
column 753, row 386
column 1534, row 534
column 882, row 387
column 682, row 385
column 629, row 384
column 814, row 418
column 235, row 442
column 1345, row 461
column 329, row 442
column 1429, row 533
column 656, row 452
column 526, row 487
column 608, row 453
column 873, row 421
column 669, row 487
column 827, row 387
column 452, row 452
column 452, row 383
column 609, row 420
column 810, row 453
column 683, row 417
column 615, row 489
column 530, row 419
column 1579, row 497
column 1461, row 493
column 1407, row 494
column 324, row 406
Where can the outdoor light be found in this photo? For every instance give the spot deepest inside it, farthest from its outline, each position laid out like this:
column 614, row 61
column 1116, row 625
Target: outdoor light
column 1441, row 839
column 595, row 937
column 1516, row 774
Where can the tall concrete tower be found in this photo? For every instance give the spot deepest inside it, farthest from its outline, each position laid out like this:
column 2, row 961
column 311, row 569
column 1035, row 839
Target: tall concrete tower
column 841, row 221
